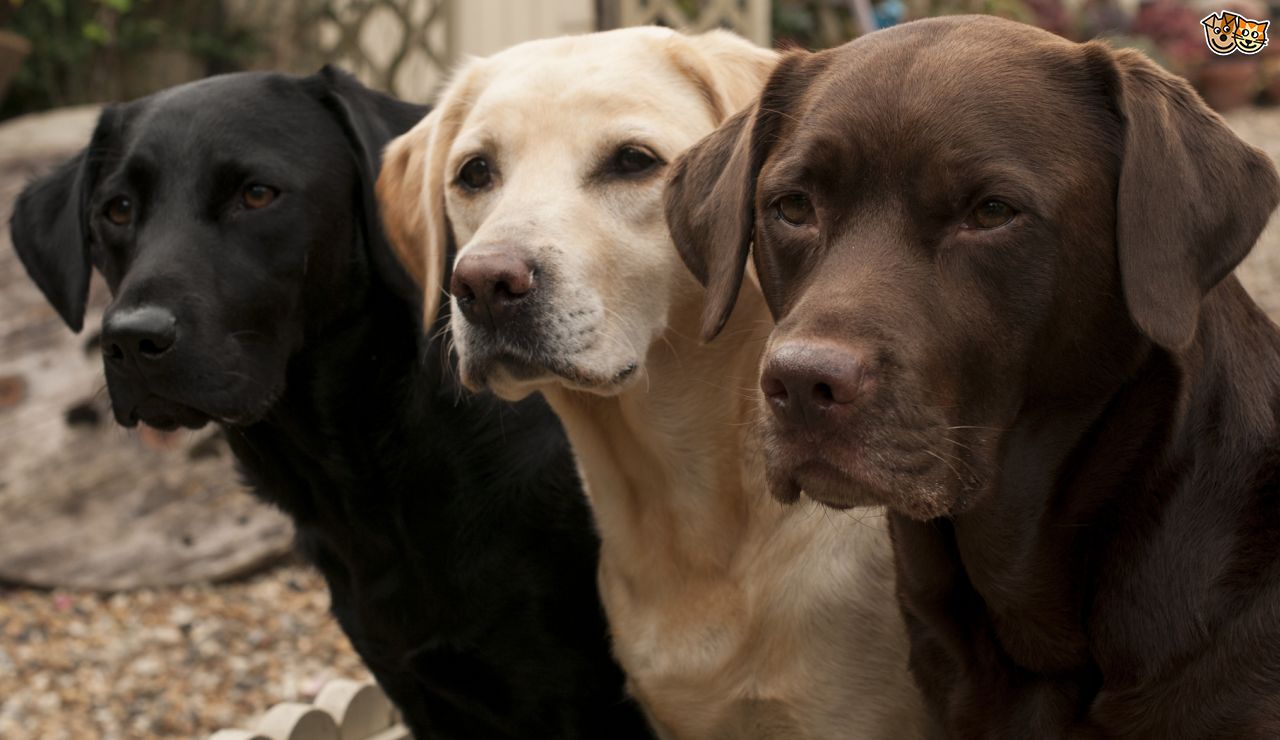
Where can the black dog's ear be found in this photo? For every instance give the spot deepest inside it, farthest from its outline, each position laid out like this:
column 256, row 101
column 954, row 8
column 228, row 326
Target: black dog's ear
column 50, row 229
column 710, row 197
column 370, row 120
column 1192, row 198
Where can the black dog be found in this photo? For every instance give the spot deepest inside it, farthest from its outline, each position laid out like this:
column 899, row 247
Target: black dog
column 235, row 224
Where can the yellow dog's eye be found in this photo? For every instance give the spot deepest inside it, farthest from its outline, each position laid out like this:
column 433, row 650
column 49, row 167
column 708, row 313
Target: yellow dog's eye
column 795, row 209
column 990, row 214
column 475, row 174
column 256, row 195
column 632, row 161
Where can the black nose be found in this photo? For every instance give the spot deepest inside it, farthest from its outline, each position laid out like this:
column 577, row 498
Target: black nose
column 809, row 384
column 144, row 335
column 492, row 285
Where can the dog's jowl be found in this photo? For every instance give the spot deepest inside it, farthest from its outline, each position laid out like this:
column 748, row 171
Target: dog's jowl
column 1000, row 265
column 235, row 223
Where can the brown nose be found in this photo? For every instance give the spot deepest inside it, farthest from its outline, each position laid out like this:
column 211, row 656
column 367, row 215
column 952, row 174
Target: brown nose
column 809, row 384
column 491, row 285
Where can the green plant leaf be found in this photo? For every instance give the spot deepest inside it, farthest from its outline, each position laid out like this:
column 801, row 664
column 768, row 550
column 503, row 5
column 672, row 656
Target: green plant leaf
column 95, row 32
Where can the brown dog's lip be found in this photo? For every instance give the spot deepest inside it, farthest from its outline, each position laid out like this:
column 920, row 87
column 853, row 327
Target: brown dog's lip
column 832, row 486
column 803, row 465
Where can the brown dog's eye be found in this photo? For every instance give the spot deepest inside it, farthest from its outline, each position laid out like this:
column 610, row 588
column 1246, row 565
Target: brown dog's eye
column 795, row 209
column 991, row 214
column 475, row 174
column 119, row 211
column 257, row 196
column 633, row 160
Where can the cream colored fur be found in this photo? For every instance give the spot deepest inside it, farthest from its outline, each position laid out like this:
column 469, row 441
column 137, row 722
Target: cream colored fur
column 734, row 616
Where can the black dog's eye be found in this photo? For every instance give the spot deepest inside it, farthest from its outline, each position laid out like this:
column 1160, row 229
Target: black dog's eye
column 119, row 211
column 631, row 161
column 256, row 195
column 991, row 214
column 475, row 175
column 795, row 209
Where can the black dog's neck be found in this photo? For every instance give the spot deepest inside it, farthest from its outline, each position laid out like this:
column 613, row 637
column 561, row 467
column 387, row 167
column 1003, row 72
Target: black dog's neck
column 368, row 367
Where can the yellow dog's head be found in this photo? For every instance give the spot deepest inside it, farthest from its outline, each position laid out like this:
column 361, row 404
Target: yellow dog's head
column 545, row 165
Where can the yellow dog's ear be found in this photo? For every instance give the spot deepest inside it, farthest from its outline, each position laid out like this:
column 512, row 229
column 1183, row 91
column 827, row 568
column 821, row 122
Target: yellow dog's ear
column 727, row 69
column 411, row 192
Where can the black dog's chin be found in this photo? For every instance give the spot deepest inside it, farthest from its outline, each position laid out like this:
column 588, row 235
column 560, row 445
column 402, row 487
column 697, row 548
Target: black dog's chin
column 167, row 414
column 169, row 405
column 161, row 414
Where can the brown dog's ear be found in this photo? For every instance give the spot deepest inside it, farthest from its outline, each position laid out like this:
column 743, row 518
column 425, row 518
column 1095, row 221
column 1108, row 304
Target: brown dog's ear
column 710, row 212
column 411, row 193
column 1191, row 201
column 710, row 197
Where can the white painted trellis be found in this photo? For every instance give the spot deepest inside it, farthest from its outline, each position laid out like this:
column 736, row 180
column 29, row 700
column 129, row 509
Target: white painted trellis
column 747, row 17
column 343, row 710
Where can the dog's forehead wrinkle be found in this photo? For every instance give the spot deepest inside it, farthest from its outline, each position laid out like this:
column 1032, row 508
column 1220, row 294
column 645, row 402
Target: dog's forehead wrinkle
column 982, row 142
column 630, row 81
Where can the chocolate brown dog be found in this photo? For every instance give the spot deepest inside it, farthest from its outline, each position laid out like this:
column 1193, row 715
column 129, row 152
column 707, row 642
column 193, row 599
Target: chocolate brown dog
column 1000, row 266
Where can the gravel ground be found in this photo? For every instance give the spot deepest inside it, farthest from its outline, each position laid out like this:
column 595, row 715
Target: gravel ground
column 183, row 662
column 172, row 663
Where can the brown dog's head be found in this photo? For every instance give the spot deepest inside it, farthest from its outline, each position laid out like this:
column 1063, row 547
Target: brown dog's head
column 959, row 224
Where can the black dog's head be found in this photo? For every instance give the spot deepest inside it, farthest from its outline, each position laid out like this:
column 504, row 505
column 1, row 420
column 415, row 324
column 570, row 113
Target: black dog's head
column 231, row 217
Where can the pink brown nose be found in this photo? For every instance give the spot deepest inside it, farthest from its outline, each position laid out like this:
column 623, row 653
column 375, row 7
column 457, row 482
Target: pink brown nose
column 491, row 285
column 810, row 384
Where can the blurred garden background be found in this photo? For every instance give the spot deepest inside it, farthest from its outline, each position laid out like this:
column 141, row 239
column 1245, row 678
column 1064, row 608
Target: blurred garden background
column 143, row 593
column 66, row 52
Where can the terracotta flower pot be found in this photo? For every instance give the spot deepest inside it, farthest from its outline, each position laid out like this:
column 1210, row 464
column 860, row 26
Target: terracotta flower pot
column 13, row 49
column 1230, row 83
